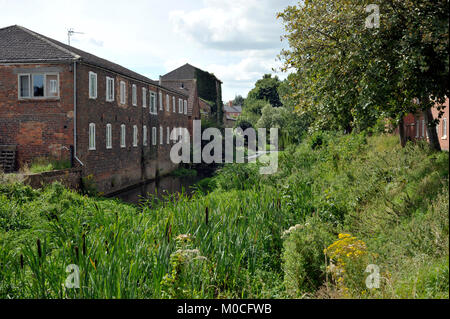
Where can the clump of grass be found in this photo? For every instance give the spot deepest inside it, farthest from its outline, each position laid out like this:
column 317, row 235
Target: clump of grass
column 43, row 164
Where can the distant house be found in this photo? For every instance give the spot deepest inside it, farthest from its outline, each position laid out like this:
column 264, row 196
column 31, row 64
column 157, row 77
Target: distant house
column 59, row 102
column 415, row 126
column 231, row 114
column 202, row 83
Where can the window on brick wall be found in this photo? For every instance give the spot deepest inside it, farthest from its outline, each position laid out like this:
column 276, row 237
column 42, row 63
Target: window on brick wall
column 417, row 129
column 92, row 136
column 144, row 135
column 52, row 85
column 180, row 106
column 144, row 97
column 185, row 107
column 444, row 128
column 154, row 135
column 161, row 135
column 167, row 103
column 122, row 135
column 134, row 95
column 174, row 108
column 123, row 92
column 109, row 89
column 153, row 103
column 92, row 85
column 160, row 101
column 135, row 135
column 108, row 136
column 45, row 85
column 168, row 135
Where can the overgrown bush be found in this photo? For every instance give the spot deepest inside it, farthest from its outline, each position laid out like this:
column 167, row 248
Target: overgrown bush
column 304, row 261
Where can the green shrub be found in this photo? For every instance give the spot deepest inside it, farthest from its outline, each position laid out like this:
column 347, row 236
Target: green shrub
column 304, row 261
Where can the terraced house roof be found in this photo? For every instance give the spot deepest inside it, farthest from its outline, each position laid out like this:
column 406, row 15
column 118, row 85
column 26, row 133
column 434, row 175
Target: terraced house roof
column 20, row 45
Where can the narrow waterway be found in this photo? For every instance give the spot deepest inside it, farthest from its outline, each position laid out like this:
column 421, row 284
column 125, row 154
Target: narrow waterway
column 166, row 185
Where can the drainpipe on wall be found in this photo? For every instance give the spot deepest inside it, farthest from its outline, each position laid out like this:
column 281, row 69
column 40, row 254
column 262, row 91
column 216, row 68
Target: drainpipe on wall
column 75, row 113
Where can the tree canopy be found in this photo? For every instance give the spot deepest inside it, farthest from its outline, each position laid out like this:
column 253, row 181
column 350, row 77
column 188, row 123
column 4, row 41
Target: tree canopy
column 352, row 65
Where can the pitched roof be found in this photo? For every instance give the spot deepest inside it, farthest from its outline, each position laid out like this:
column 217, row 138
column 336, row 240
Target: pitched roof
column 232, row 108
column 184, row 72
column 18, row 44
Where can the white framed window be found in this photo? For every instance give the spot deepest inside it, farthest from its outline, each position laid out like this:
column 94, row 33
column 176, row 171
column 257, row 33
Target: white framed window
column 180, row 106
column 123, row 92
column 135, row 136
column 144, row 135
column 160, row 101
column 24, row 86
column 417, row 129
column 109, row 89
column 92, row 136
column 161, row 137
column 174, row 109
column 92, row 85
column 122, row 135
column 185, row 107
column 444, row 129
column 153, row 109
column 154, row 135
column 167, row 103
column 134, row 95
column 53, row 87
column 144, row 97
column 38, row 86
column 108, row 136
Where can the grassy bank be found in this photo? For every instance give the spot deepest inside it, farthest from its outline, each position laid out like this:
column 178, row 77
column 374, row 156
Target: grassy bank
column 336, row 205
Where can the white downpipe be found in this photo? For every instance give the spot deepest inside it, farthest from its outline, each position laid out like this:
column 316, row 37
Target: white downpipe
column 75, row 113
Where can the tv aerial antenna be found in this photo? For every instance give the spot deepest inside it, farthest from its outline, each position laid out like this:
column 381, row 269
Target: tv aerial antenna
column 71, row 32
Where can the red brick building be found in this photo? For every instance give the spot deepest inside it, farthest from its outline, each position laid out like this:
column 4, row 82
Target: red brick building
column 60, row 102
column 415, row 126
column 199, row 84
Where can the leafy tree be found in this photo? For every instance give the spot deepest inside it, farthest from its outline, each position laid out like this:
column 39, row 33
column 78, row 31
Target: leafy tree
column 266, row 89
column 348, row 75
column 238, row 100
column 251, row 110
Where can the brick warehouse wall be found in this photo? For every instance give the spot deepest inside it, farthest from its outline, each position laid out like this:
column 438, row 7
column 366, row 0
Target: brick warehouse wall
column 39, row 128
column 117, row 168
column 414, row 132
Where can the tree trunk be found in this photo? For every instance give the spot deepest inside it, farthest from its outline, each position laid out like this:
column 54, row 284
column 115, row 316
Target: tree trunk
column 401, row 132
column 431, row 130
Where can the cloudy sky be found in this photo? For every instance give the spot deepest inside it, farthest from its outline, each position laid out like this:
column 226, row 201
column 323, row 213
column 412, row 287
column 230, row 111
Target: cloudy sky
column 237, row 40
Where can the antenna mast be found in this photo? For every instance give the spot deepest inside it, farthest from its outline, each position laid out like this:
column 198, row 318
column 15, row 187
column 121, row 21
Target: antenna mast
column 71, row 32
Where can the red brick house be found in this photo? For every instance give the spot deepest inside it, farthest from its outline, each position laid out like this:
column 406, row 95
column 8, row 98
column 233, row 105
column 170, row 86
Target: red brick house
column 60, row 102
column 415, row 126
column 231, row 114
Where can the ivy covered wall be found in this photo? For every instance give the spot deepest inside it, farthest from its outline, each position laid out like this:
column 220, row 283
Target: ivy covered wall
column 209, row 89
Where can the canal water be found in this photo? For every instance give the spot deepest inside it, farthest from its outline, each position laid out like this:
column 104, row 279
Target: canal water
column 165, row 185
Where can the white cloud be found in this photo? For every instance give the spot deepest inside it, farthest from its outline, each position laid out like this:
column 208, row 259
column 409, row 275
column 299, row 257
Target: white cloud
column 232, row 25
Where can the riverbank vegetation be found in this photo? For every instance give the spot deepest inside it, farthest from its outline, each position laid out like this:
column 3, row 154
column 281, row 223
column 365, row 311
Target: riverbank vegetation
column 308, row 231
